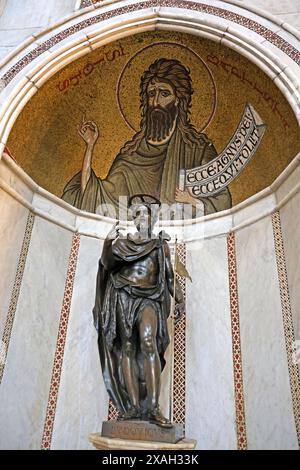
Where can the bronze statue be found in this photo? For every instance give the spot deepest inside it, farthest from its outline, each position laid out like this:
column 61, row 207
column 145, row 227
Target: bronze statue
column 134, row 283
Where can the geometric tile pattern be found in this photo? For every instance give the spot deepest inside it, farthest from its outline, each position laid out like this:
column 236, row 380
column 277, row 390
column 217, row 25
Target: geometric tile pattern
column 287, row 318
column 15, row 293
column 263, row 31
column 236, row 346
column 112, row 411
column 60, row 344
column 87, row 3
column 179, row 378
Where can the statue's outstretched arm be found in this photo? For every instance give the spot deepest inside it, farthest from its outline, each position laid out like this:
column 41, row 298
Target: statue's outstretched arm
column 107, row 258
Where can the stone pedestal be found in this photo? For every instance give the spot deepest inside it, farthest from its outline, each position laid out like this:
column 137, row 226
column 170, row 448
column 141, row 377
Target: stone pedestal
column 138, row 430
column 108, row 443
column 140, row 435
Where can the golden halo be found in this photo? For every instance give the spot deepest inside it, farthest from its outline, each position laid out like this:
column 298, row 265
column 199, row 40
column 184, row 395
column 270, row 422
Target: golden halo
column 128, row 87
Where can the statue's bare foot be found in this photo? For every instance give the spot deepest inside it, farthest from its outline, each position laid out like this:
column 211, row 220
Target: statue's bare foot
column 132, row 413
column 156, row 417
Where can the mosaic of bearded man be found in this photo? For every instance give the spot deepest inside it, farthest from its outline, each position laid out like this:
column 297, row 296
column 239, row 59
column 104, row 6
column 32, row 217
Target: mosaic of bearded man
column 150, row 163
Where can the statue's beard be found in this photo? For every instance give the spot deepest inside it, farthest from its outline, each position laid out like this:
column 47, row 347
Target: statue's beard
column 159, row 122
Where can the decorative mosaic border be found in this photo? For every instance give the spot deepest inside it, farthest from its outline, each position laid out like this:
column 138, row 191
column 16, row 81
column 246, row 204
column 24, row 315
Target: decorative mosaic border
column 268, row 34
column 236, row 346
column 60, row 344
column 287, row 318
column 112, row 411
column 15, row 293
column 179, row 373
column 88, row 3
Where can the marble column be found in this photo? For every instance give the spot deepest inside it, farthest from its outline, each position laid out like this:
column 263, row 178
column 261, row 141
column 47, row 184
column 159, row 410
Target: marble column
column 82, row 399
column 268, row 404
column 27, row 375
column 210, row 406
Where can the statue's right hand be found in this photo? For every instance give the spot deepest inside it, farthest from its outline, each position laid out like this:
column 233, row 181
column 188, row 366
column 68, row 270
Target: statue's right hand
column 114, row 232
column 88, row 130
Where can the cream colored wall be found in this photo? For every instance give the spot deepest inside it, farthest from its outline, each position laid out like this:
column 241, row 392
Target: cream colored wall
column 20, row 19
column 82, row 400
column 284, row 10
column 210, row 396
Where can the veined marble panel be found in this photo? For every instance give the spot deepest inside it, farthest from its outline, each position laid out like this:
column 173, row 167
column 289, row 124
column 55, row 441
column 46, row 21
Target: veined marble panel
column 13, row 224
column 290, row 225
column 90, row 225
column 210, row 405
column 14, row 181
column 292, row 18
column 289, row 184
column 267, row 394
column 4, row 51
column 249, row 212
column 30, row 14
column 27, row 376
column 82, row 402
column 50, row 207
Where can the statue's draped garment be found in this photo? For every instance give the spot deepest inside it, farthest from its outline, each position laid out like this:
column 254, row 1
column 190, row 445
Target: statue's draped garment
column 118, row 299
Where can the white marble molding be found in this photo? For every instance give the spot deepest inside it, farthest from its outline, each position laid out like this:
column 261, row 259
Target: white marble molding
column 20, row 187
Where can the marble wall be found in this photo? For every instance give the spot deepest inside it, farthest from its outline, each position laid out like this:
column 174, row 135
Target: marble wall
column 267, row 394
column 20, row 20
column 210, row 392
column 286, row 10
column 290, row 223
column 210, row 413
column 27, row 374
column 82, row 400
column 13, row 222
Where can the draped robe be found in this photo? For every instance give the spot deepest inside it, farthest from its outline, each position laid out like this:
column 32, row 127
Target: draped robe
column 150, row 170
column 115, row 293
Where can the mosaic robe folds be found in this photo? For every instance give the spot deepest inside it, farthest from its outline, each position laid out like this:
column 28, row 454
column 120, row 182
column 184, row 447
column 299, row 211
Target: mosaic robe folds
column 150, row 169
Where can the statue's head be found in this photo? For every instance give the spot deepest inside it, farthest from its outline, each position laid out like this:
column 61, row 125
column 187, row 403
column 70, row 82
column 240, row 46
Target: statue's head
column 144, row 211
column 166, row 91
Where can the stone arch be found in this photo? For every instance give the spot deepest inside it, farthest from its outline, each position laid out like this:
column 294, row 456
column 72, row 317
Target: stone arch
column 40, row 57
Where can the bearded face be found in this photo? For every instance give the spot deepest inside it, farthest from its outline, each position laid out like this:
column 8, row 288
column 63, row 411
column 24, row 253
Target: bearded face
column 161, row 111
column 159, row 121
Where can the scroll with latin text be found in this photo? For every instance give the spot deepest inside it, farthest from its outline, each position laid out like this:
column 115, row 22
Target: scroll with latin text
column 211, row 178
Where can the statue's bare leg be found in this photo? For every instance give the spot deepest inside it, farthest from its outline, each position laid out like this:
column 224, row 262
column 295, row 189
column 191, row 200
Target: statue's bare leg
column 129, row 369
column 147, row 330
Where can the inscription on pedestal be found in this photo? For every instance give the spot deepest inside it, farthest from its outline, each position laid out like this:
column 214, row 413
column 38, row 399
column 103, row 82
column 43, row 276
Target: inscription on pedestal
column 142, row 431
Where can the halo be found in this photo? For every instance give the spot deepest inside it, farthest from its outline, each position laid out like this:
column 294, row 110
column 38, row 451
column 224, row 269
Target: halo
column 128, row 97
column 143, row 199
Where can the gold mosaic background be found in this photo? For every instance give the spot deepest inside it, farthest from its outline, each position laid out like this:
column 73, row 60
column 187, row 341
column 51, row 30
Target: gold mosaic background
column 45, row 141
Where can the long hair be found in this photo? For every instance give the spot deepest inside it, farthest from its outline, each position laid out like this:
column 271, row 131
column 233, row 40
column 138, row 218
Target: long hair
column 178, row 76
